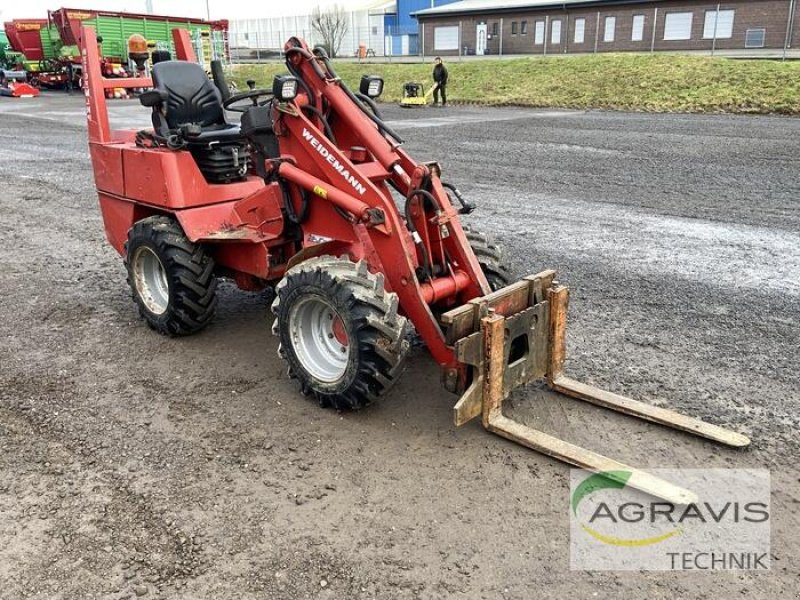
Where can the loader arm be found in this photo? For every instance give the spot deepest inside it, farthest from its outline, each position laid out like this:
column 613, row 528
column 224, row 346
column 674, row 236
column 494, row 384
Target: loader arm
column 424, row 254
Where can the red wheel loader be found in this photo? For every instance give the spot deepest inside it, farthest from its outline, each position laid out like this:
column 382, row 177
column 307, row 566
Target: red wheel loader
column 313, row 194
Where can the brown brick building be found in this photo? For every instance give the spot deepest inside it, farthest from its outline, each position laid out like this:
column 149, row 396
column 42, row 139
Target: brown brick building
column 575, row 26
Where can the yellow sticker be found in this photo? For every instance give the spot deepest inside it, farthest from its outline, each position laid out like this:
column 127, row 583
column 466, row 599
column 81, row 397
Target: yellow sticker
column 321, row 191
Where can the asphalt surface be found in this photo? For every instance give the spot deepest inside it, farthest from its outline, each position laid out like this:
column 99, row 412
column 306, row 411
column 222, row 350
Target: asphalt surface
column 133, row 465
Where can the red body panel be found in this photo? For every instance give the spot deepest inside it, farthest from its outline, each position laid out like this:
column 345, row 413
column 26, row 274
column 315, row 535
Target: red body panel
column 244, row 217
column 23, row 35
column 170, row 179
column 18, row 89
column 108, row 173
column 118, row 216
column 255, row 218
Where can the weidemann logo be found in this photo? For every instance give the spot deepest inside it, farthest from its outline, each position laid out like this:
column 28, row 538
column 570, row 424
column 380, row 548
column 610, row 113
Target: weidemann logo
column 326, row 154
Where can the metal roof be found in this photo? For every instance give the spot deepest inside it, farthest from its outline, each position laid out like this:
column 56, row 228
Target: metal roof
column 488, row 6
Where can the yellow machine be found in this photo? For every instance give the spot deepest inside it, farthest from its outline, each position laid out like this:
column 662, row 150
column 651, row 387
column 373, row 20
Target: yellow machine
column 414, row 94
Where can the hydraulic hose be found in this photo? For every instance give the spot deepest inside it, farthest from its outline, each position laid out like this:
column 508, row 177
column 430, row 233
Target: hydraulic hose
column 307, row 55
column 295, row 218
column 293, row 70
column 371, row 103
column 426, row 260
column 466, row 206
column 325, row 124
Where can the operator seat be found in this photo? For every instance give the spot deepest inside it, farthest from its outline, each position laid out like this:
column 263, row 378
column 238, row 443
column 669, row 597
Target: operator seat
column 187, row 109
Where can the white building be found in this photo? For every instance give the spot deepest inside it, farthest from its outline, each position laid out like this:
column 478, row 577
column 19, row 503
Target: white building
column 260, row 38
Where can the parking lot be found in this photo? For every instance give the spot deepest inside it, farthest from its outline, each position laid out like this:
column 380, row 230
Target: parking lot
column 137, row 465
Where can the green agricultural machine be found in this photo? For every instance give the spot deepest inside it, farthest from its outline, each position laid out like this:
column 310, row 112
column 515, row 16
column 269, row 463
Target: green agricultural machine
column 48, row 48
column 115, row 28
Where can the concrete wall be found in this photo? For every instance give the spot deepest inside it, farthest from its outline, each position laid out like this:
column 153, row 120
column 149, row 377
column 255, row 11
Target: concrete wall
column 771, row 15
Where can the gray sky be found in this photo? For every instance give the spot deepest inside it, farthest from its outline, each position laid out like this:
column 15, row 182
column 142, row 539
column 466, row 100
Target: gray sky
column 220, row 9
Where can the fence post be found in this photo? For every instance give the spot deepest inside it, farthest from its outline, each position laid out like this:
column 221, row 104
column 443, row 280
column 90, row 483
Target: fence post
column 787, row 43
column 714, row 40
column 460, row 40
column 423, row 42
column 258, row 45
column 655, row 25
column 596, row 32
column 546, row 29
column 501, row 36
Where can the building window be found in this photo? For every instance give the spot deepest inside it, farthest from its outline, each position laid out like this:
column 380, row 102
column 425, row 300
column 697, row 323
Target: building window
column 374, row 31
column 494, row 28
column 755, row 38
column 445, row 38
column 678, row 26
column 513, row 28
column 538, row 34
column 718, row 27
column 611, row 26
column 555, row 32
column 637, row 33
column 580, row 30
column 523, row 27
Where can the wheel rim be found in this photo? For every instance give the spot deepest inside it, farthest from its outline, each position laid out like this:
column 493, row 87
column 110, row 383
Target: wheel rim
column 319, row 339
column 151, row 281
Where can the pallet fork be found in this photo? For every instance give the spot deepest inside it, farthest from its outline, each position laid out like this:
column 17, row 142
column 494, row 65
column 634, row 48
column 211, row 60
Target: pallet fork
column 530, row 344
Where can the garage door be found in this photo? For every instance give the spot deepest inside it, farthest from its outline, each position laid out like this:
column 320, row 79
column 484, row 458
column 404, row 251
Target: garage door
column 445, row 38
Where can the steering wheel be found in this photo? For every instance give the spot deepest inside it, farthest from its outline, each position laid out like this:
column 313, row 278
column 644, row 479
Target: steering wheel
column 233, row 103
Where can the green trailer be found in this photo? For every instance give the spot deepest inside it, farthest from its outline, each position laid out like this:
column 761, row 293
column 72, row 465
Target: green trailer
column 115, row 28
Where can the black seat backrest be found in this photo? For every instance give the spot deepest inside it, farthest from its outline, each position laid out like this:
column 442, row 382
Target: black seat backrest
column 191, row 97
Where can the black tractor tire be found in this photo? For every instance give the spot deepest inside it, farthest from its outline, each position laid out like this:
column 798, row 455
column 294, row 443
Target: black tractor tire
column 171, row 278
column 329, row 305
column 490, row 256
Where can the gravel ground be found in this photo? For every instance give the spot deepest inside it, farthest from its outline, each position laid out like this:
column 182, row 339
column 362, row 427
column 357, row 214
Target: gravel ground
column 132, row 465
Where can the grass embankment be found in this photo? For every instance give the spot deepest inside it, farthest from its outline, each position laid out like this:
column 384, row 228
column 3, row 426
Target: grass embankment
column 660, row 83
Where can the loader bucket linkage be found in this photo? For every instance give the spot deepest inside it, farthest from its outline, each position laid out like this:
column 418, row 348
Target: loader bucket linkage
column 517, row 335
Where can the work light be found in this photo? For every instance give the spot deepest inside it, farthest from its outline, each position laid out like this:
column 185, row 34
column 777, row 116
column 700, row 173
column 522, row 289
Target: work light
column 371, row 86
column 284, row 87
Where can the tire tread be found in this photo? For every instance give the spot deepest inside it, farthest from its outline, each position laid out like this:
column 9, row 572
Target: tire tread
column 193, row 299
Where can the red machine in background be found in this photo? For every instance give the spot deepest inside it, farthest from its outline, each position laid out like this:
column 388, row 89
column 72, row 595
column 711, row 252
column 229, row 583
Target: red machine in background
column 312, row 194
column 44, row 66
column 24, row 36
column 50, row 46
column 15, row 84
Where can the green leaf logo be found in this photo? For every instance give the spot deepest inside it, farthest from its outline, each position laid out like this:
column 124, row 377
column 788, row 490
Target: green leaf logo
column 605, row 480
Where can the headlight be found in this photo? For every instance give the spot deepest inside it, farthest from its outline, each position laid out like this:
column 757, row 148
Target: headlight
column 371, row 85
column 284, row 87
